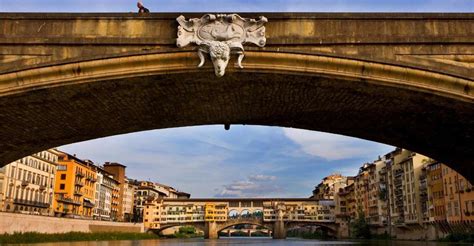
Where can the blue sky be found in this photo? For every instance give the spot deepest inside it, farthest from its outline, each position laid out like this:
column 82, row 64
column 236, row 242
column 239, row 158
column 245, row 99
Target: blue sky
column 239, row 5
column 247, row 161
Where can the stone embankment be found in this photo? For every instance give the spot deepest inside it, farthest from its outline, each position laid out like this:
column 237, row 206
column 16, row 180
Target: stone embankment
column 12, row 222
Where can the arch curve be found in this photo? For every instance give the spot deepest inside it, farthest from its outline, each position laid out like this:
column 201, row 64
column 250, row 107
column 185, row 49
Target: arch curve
column 199, row 226
column 243, row 222
column 422, row 110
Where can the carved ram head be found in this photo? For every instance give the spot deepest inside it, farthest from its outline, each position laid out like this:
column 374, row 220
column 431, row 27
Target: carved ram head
column 220, row 53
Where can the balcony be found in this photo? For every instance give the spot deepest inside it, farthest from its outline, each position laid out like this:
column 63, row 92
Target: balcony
column 31, row 203
column 24, row 183
column 79, row 183
column 88, row 204
column 79, row 174
column 78, row 193
column 42, row 187
column 67, row 200
column 399, row 172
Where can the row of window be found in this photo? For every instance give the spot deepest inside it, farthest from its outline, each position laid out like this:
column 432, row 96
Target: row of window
column 40, row 165
column 31, row 177
column 32, row 195
column 47, row 156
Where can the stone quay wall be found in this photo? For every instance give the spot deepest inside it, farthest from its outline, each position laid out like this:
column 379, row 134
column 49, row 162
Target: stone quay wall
column 12, row 222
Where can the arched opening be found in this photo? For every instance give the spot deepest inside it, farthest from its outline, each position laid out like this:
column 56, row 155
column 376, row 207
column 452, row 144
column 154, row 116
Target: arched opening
column 234, row 214
column 257, row 213
column 245, row 214
column 180, row 230
column 311, row 231
column 304, row 90
column 245, row 230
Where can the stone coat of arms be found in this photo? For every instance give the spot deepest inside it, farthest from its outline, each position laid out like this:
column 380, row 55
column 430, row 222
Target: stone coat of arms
column 221, row 36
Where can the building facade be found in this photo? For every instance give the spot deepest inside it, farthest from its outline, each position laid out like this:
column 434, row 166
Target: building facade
column 103, row 209
column 27, row 185
column 329, row 186
column 118, row 172
column 128, row 200
column 74, row 187
column 459, row 196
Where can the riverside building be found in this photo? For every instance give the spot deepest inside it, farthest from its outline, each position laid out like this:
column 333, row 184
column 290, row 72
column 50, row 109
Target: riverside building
column 407, row 195
column 27, row 185
column 128, row 200
column 104, row 195
column 74, row 187
column 118, row 172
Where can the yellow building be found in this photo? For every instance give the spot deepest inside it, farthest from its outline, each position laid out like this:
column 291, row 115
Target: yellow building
column 74, row 187
column 458, row 195
column 216, row 212
column 26, row 185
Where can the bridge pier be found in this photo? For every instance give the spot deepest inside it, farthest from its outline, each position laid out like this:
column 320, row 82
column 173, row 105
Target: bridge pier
column 279, row 230
column 210, row 230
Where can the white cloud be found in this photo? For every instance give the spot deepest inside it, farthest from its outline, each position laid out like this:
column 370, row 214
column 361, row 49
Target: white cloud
column 260, row 177
column 254, row 186
column 334, row 147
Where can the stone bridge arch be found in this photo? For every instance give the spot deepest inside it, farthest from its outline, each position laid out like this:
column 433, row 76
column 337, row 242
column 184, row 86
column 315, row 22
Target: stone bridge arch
column 230, row 223
column 332, row 227
column 301, row 80
column 199, row 226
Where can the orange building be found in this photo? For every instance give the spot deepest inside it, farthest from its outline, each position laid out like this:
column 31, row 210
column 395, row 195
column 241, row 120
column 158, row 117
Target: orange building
column 74, row 187
column 436, row 205
column 459, row 196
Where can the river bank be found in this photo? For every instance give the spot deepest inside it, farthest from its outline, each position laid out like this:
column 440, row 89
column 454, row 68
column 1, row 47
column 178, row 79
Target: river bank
column 245, row 240
column 34, row 237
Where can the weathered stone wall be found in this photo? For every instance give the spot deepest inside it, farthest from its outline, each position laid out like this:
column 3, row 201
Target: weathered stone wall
column 12, row 222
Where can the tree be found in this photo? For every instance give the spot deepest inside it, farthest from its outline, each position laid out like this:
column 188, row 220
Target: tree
column 360, row 228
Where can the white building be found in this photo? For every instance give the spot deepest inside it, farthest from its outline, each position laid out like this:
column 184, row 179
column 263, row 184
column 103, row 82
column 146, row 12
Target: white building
column 104, row 191
column 128, row 200
column 27, row 185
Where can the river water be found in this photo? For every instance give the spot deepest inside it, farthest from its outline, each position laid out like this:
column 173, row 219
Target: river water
column 242, row 241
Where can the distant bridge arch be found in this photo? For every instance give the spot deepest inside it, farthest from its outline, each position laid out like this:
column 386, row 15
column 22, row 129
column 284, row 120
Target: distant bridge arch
column 199, row 226
column 329, row 226
column 243, row 221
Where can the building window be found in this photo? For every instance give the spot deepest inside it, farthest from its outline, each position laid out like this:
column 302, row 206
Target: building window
column 62, row 186
column 63, row 176
column 61, row 168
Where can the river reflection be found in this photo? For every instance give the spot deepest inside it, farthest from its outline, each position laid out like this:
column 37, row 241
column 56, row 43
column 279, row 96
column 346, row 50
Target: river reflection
column 242, row 241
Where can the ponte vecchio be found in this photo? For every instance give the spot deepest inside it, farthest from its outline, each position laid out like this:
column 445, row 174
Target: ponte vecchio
column 214, row 215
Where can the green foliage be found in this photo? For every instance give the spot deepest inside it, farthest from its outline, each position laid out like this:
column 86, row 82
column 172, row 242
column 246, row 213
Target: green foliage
column 360, row 228
column 34, row 237
column 187, row 230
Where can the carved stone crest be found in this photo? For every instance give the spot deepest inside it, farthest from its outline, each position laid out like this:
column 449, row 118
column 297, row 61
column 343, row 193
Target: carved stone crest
column 220, row 36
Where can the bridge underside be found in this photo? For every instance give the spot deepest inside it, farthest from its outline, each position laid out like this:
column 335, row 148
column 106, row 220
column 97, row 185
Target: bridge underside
column 403, row 80
column 44, row 118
